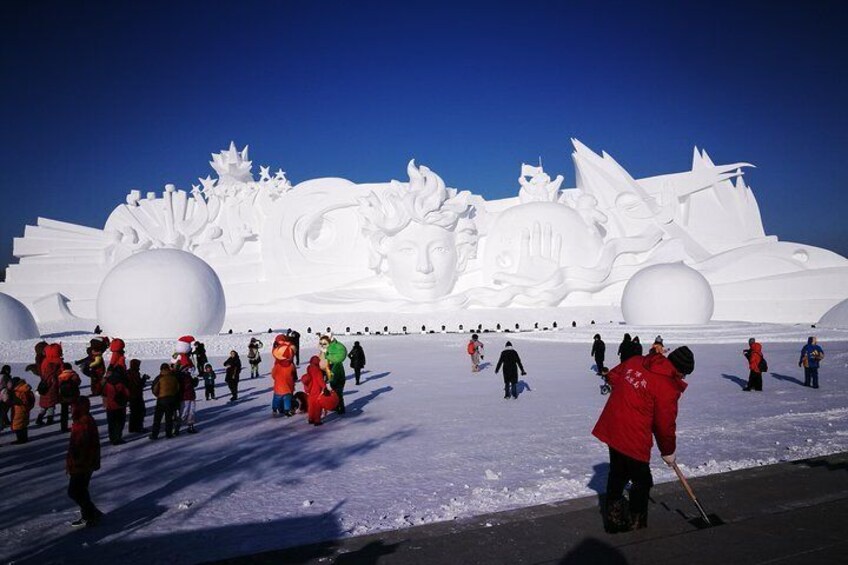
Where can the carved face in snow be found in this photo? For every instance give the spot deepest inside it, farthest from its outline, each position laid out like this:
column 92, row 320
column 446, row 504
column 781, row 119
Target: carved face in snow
column 422, row 261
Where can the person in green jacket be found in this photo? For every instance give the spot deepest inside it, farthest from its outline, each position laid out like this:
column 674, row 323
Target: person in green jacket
column 335, row 353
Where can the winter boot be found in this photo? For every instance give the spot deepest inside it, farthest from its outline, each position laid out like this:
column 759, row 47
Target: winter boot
column 191, row 429
column 50, row 420
column 40, row 420
column 617, row 517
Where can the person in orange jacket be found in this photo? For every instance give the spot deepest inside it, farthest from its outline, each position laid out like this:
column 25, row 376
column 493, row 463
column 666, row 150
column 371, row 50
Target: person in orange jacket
column 118, row 358
column 82, row 460
column 755, row 357
column 23, row 401
column 284, row 374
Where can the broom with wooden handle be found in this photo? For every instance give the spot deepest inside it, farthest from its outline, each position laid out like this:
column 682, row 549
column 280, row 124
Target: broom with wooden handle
column 690, row 492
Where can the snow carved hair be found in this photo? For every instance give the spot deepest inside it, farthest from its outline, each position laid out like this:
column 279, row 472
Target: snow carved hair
column 426, row 200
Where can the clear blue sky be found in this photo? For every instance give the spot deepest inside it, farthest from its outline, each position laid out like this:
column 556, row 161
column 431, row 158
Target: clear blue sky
column 99, row 98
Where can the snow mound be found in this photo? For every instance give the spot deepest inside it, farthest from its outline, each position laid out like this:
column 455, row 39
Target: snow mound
column 836, row 317
column 16, row 321
column 671, row 294
column 161, row 293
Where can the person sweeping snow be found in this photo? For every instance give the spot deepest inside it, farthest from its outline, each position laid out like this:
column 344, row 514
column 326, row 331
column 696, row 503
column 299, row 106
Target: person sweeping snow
column 643, row 401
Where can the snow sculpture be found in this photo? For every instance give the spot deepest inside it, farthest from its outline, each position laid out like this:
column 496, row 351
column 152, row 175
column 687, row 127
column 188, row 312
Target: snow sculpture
column 537, row 186
column 671, row 294
column 836, row 317
column 161, row 293
column 422, row 236
column 421, row 248
column 16, row 321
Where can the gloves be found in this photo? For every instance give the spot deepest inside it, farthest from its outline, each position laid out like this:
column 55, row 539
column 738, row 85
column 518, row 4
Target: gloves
column 669, row 459
column 523, row 373
column 799, row 363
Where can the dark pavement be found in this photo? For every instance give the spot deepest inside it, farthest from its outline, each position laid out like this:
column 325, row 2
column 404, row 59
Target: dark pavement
column 790, row 513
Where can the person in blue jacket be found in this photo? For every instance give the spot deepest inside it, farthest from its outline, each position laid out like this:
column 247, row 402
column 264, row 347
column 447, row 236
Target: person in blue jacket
column 811, row 356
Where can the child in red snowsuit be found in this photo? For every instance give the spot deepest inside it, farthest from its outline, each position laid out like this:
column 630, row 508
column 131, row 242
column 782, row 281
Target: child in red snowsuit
column 313, row 383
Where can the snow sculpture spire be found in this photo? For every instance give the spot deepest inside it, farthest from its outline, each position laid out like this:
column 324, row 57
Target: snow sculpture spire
column 232, row 165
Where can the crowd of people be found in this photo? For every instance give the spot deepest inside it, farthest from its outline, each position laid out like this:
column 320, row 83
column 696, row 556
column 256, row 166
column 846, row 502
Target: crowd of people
column 121, row 386
column 643, row 395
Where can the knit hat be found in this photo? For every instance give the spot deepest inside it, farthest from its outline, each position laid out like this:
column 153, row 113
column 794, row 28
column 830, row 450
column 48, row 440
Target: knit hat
column 683, row 360
column 658, row 339
column 509, row 344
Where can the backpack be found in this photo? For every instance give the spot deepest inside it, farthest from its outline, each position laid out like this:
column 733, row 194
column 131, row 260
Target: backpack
column 763, row 366
column 30, row 400
column 43, row 387
column 472, row 347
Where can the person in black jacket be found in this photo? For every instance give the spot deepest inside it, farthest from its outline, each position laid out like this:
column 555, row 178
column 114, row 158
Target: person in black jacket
column 637, row 346
column 625, row 348
column 357, row 359
column 294, row 338
column 599, row 348
column 233, row 365
column 511, row 362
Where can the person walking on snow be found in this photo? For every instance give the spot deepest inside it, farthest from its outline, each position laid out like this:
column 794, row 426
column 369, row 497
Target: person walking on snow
column 69, row 393
column 135, row 385
column 188, row 402
column 253, row 356
column 5, row 396
column 166, row 389
column 116, row 396
column 643, row 401
column 475, row 350
column 48, row 387
column 118, row 358
column 233, row 365
column 209, row 381
column 357, row 360
column 598, row 350
column 756, row 366
column 335, row 353
column 811, row 356
column 625, row 348
column 82, row 460
column 294, row 338
column 23, row 401
column 199, row 353
column 511, row 363
column 284, row 374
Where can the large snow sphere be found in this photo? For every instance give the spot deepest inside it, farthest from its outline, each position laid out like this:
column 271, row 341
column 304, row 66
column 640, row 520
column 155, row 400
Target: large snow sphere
column 671, row 294
column 836, row 317
column 161, row 293
column 16, row 321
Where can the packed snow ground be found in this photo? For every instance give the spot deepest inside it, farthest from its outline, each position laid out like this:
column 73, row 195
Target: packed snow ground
column 424, row 440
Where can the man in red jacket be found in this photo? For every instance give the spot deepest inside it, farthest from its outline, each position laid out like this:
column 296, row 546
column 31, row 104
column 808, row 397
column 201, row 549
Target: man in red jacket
column 83, row 459
column 645, row 391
